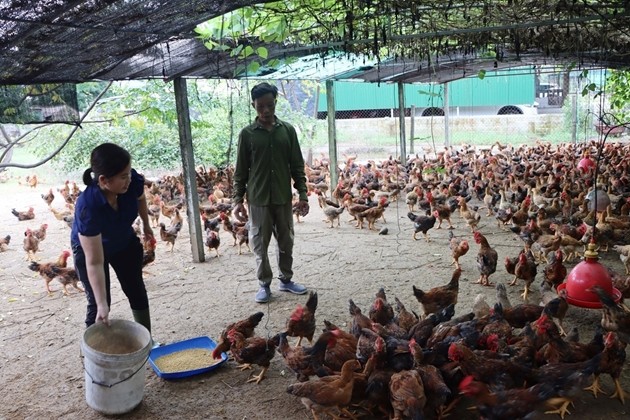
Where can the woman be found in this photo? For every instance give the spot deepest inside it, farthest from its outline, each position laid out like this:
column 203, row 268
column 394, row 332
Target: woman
column 102, row 233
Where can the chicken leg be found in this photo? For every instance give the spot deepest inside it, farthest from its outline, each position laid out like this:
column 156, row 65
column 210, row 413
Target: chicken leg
column 562, row 404
column 244, row 366
column 619, row 392
column 259, row 377
column 594, row 388
column 484, row 281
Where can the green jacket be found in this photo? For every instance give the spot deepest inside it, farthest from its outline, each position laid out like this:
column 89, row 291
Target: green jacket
column 266, row 161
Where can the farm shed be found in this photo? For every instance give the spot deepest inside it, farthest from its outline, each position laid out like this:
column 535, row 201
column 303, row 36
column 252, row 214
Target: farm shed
column 77, row 41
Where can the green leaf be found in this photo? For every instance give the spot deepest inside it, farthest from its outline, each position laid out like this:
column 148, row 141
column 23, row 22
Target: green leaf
column 253, row 67
column 248, row 51
column 236, row 51
column 481, row 74
column 262, row 52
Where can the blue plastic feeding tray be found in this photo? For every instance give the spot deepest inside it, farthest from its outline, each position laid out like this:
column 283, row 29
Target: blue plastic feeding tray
column 202, row 344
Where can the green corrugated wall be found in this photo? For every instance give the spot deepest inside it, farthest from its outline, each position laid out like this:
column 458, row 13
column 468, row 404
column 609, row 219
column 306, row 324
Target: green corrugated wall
column 495, row 89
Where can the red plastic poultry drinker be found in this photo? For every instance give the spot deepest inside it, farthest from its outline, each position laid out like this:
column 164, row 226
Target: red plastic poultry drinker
column 585, row 275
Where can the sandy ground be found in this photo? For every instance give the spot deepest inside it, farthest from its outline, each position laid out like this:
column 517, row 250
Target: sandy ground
column 41, row 369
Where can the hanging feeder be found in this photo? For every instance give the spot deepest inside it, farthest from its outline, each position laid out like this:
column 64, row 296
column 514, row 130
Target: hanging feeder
column 586, row 164
column 601, row 200
column 587, row 274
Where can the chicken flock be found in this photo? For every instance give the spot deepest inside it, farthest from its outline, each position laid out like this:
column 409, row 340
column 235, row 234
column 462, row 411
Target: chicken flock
column 400, row 361
column 513, row 360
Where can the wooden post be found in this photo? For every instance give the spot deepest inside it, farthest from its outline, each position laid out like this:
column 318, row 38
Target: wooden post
column 332, row 135
column 188, row 166
column 401, row 121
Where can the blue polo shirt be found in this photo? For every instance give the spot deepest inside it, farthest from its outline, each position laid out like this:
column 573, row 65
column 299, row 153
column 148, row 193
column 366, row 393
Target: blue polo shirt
column 93, row 215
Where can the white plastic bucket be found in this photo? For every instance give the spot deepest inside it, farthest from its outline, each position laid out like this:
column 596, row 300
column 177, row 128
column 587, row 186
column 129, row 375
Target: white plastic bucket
column 113, row 360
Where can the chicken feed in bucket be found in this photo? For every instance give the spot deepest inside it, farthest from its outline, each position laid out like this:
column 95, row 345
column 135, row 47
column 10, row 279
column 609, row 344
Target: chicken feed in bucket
column 114, row 357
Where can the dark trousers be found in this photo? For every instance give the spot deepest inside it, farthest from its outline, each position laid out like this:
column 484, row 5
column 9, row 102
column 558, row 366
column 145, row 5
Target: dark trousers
column 127, row 265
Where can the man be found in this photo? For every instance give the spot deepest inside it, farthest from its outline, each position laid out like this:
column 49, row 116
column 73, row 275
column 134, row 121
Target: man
column 268, row 157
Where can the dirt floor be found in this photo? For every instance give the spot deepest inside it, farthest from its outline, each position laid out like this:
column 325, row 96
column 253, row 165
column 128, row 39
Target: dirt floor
column 41, row 369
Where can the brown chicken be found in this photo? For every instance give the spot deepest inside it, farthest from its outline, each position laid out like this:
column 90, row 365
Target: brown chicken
column 404, row 318
column 525, row 269
column 154, row 210
column 555, row 272
column 297, row 210
column 244, row 326
column 61, row 215
column 148, row 254
column 471, row 217
column 411, row 199
column 230, row 226
column 614, row 318
column 251, row 351
column 436, row 390
column 48, row 197
column 67, row 276
column 557, row 350
column 557, row 308
column 520, row 217
column 377, row 389
column 213, row 241
column 443, row 211
column 167, row 211
column 458, row 247
column 343, row 348
column 32, row 180
column 381, row 311
column 439, row 297
column 406, row 394
column 169, row 235
column 487, row 258
column 520, row 315
column 566, row 380
column 306, row 361
column 372, row 214
column 45, row 269
column 24, row 215
column 359, row 320
column 494, row 372
column 322, row 396
column 354, row 208
column 613, row 359
column 41, row 232
column 301, row 323
column 242, row 238
column 30, row 245
column 4, row 243
column 514, row 403
column 546, row 244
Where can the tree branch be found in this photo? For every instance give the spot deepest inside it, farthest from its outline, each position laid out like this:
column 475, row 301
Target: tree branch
column 53, row 154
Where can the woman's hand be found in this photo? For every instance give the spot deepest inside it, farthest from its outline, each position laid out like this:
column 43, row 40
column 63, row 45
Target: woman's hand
column 148, row 232
column 102, row 313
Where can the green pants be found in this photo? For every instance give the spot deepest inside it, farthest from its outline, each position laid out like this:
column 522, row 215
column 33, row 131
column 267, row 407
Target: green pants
column 265, row 221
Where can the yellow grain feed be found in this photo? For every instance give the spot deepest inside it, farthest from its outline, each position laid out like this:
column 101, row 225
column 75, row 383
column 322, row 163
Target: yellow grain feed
column 185, row 360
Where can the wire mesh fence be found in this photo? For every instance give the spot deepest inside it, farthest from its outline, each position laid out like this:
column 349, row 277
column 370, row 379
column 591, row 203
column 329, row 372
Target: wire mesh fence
column 369, row 131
